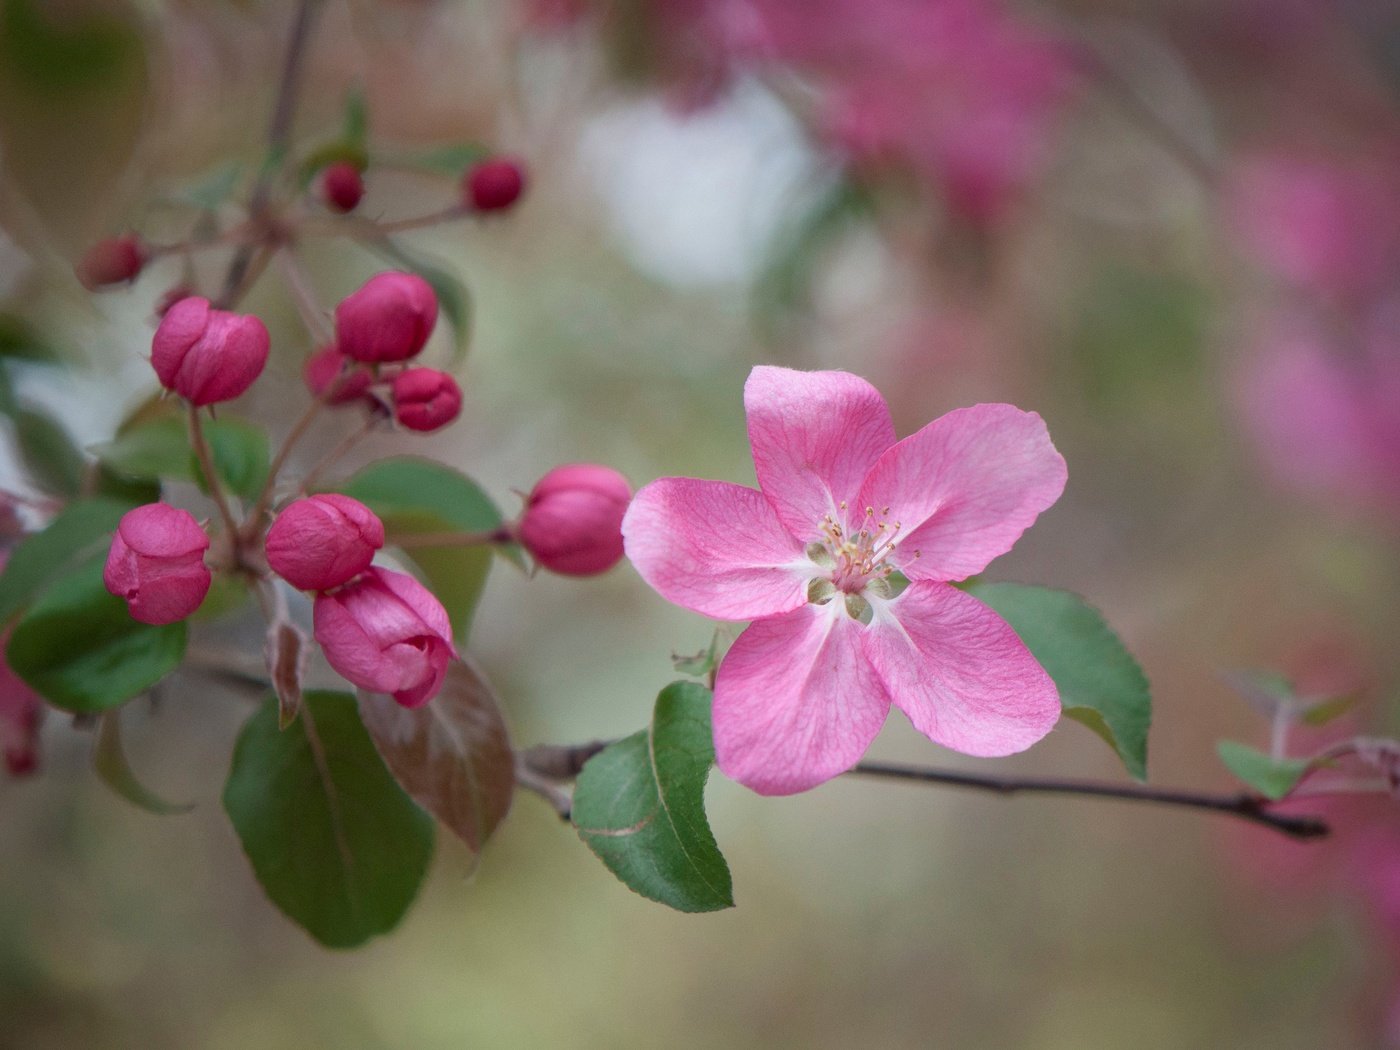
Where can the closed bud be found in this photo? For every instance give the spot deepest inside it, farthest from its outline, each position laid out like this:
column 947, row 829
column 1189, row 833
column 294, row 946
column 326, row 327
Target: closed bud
column 342, row 186
column 388, row 319
column 385, row 632
column 426, row 399
column 323, row 541
column 572, row 523
column 207, row 355
column 493, row 185
column 113, row 260
column 156, row 563
column 330, row 374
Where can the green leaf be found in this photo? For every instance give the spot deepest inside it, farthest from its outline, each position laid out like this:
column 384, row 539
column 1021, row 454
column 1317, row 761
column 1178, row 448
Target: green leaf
column 1272, row 778
column 156, row 449
column 49, row 455
column 639, row 804
column 160, row 448
column 241, row 455
column 79, row 648
column 109, row 760
column 452, row 755
column 413, row 495
column 81, row 530
column 334, row 841
column 355, row 126
column 699, row 665
column 451, row 160
column 1101, row 685
column 454, row 300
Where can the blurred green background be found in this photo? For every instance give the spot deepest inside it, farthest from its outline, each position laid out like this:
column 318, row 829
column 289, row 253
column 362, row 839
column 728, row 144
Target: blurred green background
column 659, row 255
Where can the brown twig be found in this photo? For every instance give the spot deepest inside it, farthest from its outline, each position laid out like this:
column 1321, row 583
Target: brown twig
column 563, row 763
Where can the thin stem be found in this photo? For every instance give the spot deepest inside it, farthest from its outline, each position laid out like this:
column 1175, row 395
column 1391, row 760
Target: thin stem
column 299, row 428
column 278, row 133
column 312, row 316
column 563, row 763
column 1242, row 805
column 449, row 539
column 211, row 476
column 248, row 276
column 347, row 443
column 359, row 226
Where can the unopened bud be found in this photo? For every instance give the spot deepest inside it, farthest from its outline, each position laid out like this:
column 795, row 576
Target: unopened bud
column 388, row 319
column 572, row 523
column 426, row 399
column 207, row 355
column 330, row 370
column 323, row 541
column 342, row 186
column 386, row 632
column 494, row 184
column 156, row 563
column 113, row 260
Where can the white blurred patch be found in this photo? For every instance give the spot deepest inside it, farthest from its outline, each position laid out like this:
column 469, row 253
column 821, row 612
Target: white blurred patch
column 695, row 199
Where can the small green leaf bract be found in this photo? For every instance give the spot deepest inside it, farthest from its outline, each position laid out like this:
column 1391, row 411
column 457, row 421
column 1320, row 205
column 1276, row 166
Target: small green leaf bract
column 334, row 841
column 79, row 648
column 639, row 804
column 1101, row 685
column 1273, row 778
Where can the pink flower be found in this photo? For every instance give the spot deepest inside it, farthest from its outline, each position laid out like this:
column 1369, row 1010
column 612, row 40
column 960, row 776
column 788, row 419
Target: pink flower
column 207, row 355
column 342, row 186
column 841, row 507
column 389, row 318
column 323, row 541
column 572, row 523
column 494, row 184
column 426, row 399
column 386, row 632
column 156, row 563
column 21, row 711
column 328, row 367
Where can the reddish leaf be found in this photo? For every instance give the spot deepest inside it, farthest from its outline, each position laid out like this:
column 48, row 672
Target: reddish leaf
column 286, row 653
column 452, row 755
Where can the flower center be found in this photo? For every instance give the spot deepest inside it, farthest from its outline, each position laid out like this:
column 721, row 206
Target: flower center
column 853, row 560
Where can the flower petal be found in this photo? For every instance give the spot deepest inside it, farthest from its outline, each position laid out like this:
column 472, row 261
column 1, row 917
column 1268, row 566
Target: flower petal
column 815, row 435
column 715, row 548
column 964, row 488
column 960, row 672
column 796, row 702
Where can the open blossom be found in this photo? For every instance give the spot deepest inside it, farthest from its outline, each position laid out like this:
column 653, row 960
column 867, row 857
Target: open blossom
column 386, row 632
column 156, row 563
column 809, row 558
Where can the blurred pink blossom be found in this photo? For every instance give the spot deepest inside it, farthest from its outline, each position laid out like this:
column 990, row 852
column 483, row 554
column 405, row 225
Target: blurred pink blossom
column 1325, row 409
column 1320, row 224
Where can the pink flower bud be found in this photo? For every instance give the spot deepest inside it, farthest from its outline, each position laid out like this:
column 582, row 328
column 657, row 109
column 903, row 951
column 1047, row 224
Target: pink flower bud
column 207, row 355
column 572, row 523
column 157, row 563
column 493, row 184
column 329, row 366
column 426, row 399
column 388, row 319
column 342, row 186
column 322, row 541
column 386, row 632
column 113, row 260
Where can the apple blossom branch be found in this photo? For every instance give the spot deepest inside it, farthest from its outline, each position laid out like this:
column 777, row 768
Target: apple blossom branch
column 547, row 766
